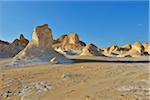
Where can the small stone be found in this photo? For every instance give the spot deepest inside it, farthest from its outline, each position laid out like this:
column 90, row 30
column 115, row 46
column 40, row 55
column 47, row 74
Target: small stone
column 45, row 89
column 54, row 60
column 87, row 98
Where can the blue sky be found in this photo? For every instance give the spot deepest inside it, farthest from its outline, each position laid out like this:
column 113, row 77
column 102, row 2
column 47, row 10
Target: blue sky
column 100, row 22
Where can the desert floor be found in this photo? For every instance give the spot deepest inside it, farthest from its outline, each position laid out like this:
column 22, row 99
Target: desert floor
column 90, row 78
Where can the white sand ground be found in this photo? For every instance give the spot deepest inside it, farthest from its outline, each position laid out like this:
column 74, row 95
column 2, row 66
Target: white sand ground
column 90, row 78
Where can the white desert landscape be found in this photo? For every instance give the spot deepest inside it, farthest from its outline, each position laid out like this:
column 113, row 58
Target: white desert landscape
column 74, row 50
column 66, row 68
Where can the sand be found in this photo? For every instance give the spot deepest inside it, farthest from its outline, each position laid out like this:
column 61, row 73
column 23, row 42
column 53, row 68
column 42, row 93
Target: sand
column 90, row 78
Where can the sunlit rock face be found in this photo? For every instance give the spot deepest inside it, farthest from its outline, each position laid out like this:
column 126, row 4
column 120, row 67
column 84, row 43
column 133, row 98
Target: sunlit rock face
column 69, row 43
column 73, row 38
column 138, row 46
column 42, row 35
column 136, row 49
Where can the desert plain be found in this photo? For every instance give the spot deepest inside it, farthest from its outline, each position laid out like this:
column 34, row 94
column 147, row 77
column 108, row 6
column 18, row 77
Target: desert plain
column 88, row 78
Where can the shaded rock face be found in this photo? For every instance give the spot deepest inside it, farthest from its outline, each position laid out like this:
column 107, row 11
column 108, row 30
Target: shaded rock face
column 6, row 49
column 69, row 42
column 39, row 49
column 11, row 49
column 4, row 42
column 91, row 50
column 22, row 41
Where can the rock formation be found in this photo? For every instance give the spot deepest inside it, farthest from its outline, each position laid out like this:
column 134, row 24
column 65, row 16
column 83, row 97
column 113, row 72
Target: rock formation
column 39, row 49
column 22, row 41
column 69, row 42
column 91, row 50
column 129, row 50
column 43, row 48
column 11, row 49
column 133, row 50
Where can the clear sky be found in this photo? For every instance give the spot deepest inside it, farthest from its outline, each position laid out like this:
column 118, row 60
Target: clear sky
column 100, row 22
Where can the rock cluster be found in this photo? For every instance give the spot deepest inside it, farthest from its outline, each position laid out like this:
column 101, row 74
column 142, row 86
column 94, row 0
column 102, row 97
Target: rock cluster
column 68, row 42
column 39, row 49
column 129, row 50
column 44, row 48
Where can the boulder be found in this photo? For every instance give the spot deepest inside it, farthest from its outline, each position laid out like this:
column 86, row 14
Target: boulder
column 54, row 60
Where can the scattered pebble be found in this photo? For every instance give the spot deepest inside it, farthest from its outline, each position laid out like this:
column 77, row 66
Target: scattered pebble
column 140, row 90
column 39, row 87
column 87, row 98
column 66, row 76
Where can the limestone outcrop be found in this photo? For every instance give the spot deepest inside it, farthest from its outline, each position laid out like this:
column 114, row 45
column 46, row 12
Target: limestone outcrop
column 69, row 42
column 136, row 49
column 39, row 49
column 129, row 50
